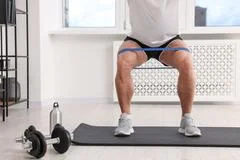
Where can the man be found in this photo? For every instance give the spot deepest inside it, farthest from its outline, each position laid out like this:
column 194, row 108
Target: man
column 155, row 24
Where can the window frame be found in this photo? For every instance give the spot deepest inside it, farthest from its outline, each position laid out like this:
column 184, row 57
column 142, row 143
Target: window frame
column 190, row 27
column 119, row 20
column 186, row 22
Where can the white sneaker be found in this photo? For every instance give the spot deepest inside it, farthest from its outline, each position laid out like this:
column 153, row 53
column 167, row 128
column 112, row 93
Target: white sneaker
column 124, row 127
column 188, row 127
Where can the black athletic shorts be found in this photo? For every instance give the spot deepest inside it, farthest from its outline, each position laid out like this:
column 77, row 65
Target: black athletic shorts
column 153, row 54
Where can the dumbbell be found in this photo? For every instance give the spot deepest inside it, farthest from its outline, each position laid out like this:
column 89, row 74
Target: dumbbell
column 36, row 144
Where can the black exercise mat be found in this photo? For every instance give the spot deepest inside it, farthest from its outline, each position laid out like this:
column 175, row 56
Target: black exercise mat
column 156, row 136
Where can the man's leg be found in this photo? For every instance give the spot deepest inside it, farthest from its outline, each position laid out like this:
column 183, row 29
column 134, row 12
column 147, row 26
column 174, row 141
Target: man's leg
column 124, row 84
column 182, row 61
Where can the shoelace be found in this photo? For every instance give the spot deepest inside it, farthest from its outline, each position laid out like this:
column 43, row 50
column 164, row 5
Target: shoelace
column 191, row 122
column 124, row 123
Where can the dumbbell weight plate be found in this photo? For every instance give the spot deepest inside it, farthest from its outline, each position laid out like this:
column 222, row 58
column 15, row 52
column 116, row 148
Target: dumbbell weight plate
column 35, row 145
column 43, row 145
column 29, row 130
column 65, row 139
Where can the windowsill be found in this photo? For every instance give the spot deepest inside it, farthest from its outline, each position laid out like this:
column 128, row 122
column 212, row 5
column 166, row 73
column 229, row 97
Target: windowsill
column 115, row 32
column 77, row 31
column 212, row 30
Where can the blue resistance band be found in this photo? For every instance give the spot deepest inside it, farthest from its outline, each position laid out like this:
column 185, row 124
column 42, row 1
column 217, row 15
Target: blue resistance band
column 152, row 49
column 141, row 68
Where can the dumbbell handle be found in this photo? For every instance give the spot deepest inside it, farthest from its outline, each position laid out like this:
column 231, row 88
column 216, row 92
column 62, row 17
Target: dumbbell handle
column 48, row 139
column 23, row 139
column 28, row 145
column 49, row 136
column 53, row 141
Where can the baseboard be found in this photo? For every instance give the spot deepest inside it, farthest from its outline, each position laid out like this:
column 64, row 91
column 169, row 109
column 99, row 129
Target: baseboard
column 105, row 100
column 88, row 100
column 35, row 103
column 67, row 101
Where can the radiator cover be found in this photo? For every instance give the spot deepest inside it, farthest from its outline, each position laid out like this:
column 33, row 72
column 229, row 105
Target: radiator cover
column 215, row 63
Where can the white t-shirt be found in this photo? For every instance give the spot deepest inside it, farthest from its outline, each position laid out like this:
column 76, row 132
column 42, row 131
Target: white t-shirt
column 153, row 22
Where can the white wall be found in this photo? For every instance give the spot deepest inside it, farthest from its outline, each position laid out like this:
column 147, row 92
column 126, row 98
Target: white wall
column 83, row 66
column 72, row 66
column 50, row 19
column 34, row 51
column 44, row 15
column 60, row 66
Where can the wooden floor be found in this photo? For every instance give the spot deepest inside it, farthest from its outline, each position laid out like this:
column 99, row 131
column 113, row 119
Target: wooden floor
column 107, row 114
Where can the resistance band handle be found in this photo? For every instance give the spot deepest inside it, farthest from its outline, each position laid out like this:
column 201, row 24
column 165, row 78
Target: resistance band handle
column 153, row 49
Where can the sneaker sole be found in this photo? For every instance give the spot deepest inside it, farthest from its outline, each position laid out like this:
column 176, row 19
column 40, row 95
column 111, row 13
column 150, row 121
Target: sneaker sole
column 195, row 134
column 123, row 134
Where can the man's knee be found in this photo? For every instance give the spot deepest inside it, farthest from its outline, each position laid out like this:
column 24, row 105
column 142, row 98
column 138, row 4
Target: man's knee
column 124, row 63
column 124, row 67
column 186, row 64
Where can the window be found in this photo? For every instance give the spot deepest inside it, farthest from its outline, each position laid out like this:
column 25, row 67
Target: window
column 209, row 17
column 91, row 13
column 217, row 13
column 195, row 16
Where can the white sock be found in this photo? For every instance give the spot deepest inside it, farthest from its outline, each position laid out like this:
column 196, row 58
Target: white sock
column 126, row 116
column 187, row 115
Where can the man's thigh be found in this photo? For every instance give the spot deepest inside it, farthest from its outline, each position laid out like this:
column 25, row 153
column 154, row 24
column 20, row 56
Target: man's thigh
column 175, row 58
column 133, row 58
